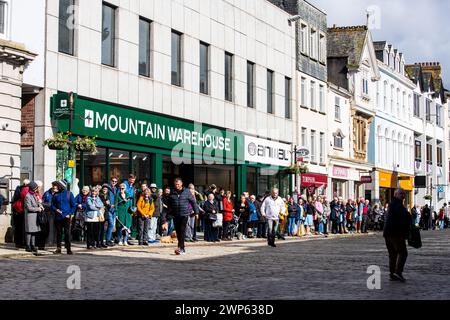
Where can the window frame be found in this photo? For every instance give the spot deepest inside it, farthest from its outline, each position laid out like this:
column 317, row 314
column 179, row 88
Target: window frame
column 337, row 108
column 148, row 49
column 251, row 72
column 322, row 98
column 229, row 81
column 178, row 81
column 6, row 20
column 287, row 98
column 313, row 146
column 303, row 93
column 114, row 33
column 312, row 95
column 206, row 84
column 304, row 34
column 416, row 105
column 270, row 93
column 71, row 51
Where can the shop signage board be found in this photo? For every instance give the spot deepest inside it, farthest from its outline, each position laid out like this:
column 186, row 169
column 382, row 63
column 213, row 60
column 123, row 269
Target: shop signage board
column 126, row 125
column 340, row 172
column 267, row 152
column 60, row 107
column 366, row 179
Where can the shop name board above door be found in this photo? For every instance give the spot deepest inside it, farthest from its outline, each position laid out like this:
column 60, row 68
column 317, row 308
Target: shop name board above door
column 267, row 152
column 126, row 125
column 340, row 172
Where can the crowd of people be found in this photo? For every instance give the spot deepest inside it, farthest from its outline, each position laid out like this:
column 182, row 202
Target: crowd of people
column 120, row 211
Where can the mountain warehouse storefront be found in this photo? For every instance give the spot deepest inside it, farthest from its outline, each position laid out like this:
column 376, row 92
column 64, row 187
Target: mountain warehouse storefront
column 157, row 149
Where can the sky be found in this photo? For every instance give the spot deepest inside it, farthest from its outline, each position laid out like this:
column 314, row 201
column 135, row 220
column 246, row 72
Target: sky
column 418, row 28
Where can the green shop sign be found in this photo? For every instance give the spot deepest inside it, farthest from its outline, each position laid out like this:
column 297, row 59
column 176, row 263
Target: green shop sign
column 131, row 126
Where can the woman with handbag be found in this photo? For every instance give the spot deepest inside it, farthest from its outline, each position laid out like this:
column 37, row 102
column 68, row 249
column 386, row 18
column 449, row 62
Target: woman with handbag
column 33, row 208
column 94, row 211
column 211, row 211
column 124, row 217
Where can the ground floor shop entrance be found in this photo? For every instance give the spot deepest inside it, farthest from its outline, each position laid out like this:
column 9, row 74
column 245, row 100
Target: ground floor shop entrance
column 157, row 149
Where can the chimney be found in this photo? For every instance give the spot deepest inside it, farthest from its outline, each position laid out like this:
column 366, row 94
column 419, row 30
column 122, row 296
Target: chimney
column 434, row 68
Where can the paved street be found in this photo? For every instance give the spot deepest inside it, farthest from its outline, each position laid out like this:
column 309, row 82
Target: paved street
column 314, row 269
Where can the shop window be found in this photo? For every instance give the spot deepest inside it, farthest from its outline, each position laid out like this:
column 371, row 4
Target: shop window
column 119, row 164
column 251, row 180
column 141, row 167
column 94, row 169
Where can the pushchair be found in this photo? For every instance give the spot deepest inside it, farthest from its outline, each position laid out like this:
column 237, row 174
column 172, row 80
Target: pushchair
column 233, row 228
column 78, row 227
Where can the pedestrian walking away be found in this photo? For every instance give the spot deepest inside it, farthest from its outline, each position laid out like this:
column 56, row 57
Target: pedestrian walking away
column 396, row 231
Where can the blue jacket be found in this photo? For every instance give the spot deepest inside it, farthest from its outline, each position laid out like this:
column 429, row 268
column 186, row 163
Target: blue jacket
column 132, row 192
column 47, row 200
column 65, row 202
column 112, row 198
column 93, row 206
column 253, row 212
column 79, row 200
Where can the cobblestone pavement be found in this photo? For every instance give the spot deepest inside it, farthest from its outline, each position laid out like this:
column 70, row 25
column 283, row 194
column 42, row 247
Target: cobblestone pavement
column 316, row 269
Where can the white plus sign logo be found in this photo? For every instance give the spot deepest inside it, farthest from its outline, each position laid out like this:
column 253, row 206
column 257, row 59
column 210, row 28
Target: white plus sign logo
column 89, row 119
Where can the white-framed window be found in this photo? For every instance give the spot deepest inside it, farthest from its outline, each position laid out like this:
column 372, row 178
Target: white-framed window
column 337, row 108
column 398, row 102
column 338, row 140
column 4, row 18
column 303, row 92
column 313, row 43
column 313, row 146
column 304, row 138
column 365, row 83
column 312, row 95
column 322, row 148
column 322, row 48
column 304, row 38
column 385, row 101
column 321, row 98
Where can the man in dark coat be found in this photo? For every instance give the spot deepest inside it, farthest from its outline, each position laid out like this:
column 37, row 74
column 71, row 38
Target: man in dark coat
column 396, row 231
column 178, row 207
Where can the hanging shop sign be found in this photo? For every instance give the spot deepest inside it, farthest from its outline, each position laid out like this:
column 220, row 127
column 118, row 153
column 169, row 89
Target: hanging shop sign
column 366, row 179
column 267, row 152
column 126, row 125
column 314, row 180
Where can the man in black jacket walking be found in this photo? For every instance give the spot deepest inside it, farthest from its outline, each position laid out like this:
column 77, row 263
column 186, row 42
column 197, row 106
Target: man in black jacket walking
column 396, row 231
column 178, row 207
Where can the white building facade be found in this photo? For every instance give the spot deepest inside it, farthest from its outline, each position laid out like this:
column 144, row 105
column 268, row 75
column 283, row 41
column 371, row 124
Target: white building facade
column 392, row 136
column 227, row 65
column 429, row 117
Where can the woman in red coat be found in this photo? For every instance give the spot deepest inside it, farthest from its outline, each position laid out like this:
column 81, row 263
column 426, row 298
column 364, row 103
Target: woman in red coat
column 228, row 212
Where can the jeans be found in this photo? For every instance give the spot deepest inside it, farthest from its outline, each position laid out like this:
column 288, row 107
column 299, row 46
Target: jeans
column 272, row 226
column 262, row 229
column 170, row 228
column 364, row 223
column 190, row 228
column 109, row 230
column 63, row 227
column 321, row 227
column 398, row 253
column 122, row 235
column 180, row 227
column 143, row 227
column 153, row 228
column 441, row 224
column 291, row 225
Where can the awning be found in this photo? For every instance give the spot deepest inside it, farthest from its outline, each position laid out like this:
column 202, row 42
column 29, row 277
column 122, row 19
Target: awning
column 314, row 180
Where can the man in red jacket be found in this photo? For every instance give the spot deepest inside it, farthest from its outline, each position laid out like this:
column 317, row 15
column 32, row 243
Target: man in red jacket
column 18, row 210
